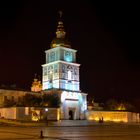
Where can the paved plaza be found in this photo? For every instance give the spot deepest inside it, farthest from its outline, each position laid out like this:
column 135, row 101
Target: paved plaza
column 72, row 130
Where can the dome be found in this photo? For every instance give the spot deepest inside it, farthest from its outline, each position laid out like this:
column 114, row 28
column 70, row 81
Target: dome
column 60, row 39
column 63, row 42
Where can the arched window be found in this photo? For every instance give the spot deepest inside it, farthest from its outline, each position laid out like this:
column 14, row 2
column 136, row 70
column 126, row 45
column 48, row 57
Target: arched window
column 69, row 75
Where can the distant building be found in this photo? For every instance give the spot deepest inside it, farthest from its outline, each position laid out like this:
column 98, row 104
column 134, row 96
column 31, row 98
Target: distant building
column 36, row 85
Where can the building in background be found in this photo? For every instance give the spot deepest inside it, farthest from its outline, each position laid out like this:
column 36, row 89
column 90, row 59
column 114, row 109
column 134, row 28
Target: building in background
column 36, row 85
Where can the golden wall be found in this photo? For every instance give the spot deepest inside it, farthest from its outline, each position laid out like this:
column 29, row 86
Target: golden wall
column 114, row 116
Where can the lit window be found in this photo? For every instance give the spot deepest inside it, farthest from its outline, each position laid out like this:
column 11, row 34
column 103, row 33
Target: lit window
column 69, row 75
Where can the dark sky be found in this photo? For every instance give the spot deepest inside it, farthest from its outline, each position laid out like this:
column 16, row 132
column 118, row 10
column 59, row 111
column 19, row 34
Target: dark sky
column 105, row 34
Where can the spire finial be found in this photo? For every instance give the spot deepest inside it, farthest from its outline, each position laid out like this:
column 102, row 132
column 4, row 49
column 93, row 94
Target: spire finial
column 60, row 32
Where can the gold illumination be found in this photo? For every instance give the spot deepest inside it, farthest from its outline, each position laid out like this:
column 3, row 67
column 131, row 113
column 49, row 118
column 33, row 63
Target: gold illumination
column 58, row 114
column 36, row 85
column 115, row 116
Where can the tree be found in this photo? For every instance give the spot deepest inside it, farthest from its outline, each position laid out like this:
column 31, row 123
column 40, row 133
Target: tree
column 31, row 100
column 51, row 100
column 111, row 104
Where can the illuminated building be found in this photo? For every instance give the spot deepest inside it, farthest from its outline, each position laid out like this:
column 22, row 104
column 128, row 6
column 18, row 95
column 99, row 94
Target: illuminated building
column 36, row 85
column 61, row 72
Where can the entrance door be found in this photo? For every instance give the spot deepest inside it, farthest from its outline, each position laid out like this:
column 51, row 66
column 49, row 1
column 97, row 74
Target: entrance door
column 71, row 114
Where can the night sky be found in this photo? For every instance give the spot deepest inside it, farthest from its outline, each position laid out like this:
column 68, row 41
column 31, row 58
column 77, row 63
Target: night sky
column 105, row 34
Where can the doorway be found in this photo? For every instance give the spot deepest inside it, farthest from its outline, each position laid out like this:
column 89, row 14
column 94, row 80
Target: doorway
column 71, row 114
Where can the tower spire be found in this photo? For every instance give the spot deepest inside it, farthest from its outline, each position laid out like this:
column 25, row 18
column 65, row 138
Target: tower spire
column 60, row 39
column 60, row 32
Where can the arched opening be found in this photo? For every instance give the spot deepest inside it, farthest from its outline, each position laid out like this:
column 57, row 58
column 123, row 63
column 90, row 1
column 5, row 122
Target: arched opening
column 69, row 75
column 71, row 115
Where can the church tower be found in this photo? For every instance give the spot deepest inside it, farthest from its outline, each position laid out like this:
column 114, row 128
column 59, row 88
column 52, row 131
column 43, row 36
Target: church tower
column 62, row 72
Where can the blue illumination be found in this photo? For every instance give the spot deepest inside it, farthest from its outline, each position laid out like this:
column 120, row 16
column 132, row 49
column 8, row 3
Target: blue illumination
column 80, row 98
column 49, row 85
column 69, row 86
column 68, row 56
column 68, row 59
column 56, row 84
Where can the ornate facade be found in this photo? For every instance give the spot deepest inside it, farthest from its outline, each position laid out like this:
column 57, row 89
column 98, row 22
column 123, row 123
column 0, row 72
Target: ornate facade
column 62, row 72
